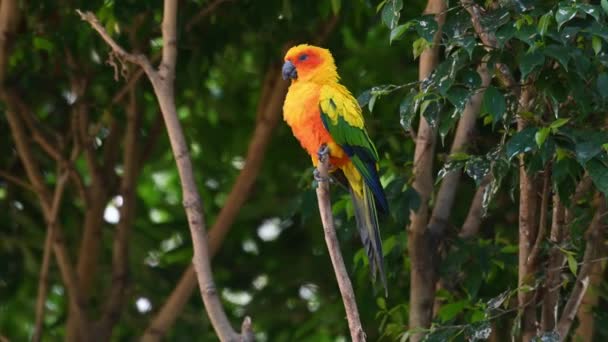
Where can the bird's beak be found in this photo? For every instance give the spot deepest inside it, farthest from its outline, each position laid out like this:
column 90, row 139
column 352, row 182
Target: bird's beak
column 289, row 71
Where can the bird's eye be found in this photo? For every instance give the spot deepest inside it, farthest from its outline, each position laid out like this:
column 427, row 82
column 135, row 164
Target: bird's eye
column 303, row 57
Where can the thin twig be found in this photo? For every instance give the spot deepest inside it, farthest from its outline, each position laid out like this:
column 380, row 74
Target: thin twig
column 46, row 259
column 333, row 246
column 16, row 180
column 203, row 13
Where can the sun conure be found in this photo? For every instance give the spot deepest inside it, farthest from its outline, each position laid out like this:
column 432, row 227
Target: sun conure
column 323, row 113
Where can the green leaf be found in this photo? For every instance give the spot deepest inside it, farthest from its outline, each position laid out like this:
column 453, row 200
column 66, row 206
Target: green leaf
column 599, row 174
column 372, row 102
column 407, row 110
column 529, row 61
column 381, row 302
column 477, row 168
column 591, row 10
column 459, row 156
column 448, row 311
column 559, row 53
column 426, row 27
column 602, row 84
column 458, row 97
column 596, row 43
column 494, row 103
column 504, row 34
column 544, row 22
column 564, row 14
column 388, row 245
column 335, row 6
column 430, row 110
column 558, row 123
column 43, row 44
column 604, row 4
column 522, row 142
column 587, row 150
column 541, row 136
column 471, row 78
column 391, row 13
column 419, row 46
column 572, row 264
column 398, row 31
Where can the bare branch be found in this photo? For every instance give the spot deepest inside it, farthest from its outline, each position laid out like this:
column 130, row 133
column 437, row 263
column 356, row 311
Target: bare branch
column 140, row 60
column 46, row 259
column 528, row 203
column 333, row 246
column 464, row 133
column 9, row 18
column 169, row 28
column 554, row 268
column 16, row 180
column 169, row 312
column 268, row 114
column 583, row 188
column 595, row 237
column 162, row 82
column 203, row 13
column 419, row 241
column 471, row 224
column 120, row 251
column 488, row 38
column 542, row 225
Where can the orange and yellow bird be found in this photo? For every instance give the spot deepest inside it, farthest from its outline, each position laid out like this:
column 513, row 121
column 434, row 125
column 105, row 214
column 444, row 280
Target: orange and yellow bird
column 326, row 119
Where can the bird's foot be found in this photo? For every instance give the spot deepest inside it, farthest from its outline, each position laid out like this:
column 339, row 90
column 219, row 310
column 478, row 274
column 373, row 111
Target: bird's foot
column 323, row 153
column 317, row 175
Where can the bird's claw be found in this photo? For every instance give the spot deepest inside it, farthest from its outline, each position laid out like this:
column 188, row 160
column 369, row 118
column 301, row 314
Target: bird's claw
column 323, row 152
column 317, row 175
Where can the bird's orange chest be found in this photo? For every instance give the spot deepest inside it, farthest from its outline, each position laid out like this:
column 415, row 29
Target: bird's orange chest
column 302, row 114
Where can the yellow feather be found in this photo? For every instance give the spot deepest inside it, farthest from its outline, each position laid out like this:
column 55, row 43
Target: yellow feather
column 346, row 105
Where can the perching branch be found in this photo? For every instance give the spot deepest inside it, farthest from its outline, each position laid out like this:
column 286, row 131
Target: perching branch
column 333, row 246
column 268, row 114
column 162, row 82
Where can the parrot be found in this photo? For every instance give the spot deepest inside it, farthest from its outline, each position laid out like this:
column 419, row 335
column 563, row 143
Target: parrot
column 327, row 120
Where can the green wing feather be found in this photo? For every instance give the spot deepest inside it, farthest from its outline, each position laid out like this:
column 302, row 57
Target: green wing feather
column 343, row 120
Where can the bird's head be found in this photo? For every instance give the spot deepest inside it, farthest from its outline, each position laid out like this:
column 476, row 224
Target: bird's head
column 309, row 63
